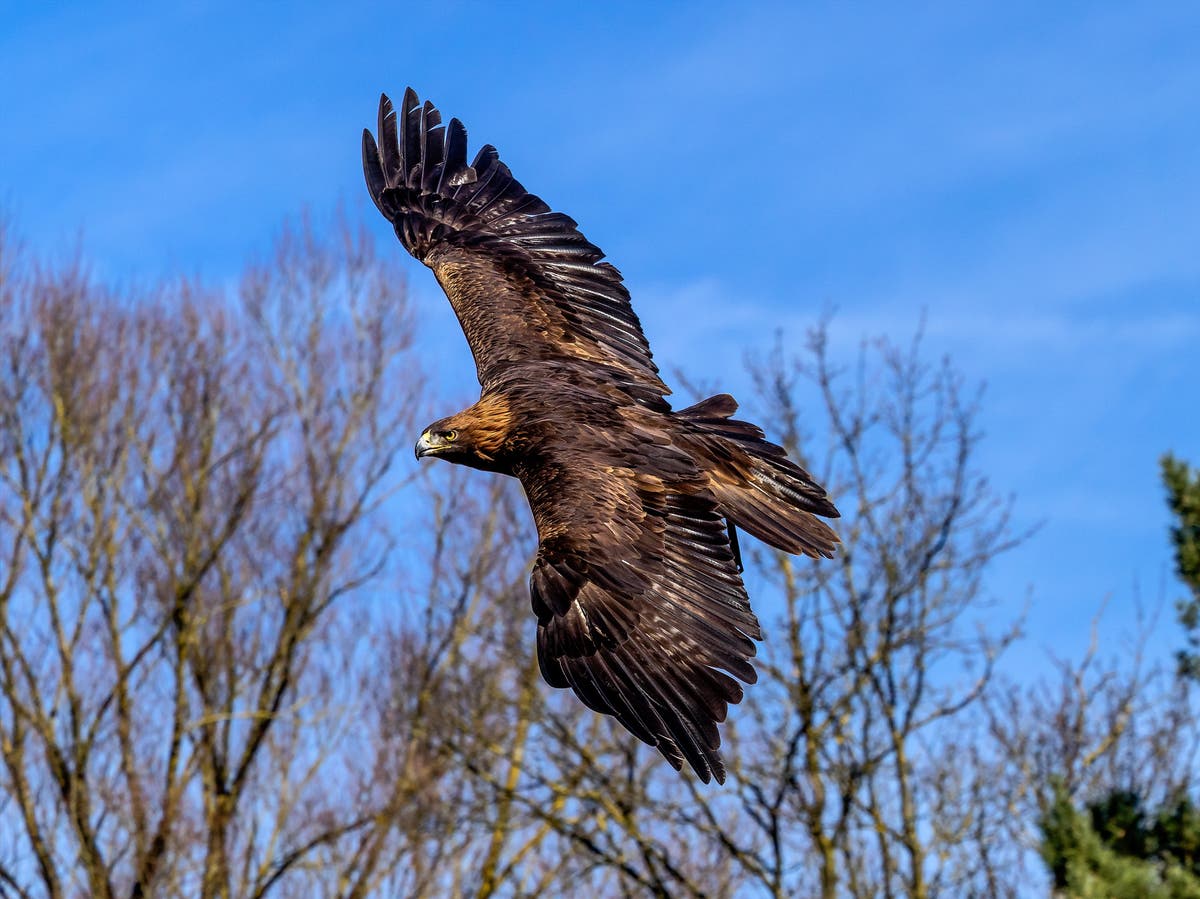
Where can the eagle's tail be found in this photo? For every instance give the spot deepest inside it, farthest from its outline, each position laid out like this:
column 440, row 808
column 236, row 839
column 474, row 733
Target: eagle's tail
column 758, row 487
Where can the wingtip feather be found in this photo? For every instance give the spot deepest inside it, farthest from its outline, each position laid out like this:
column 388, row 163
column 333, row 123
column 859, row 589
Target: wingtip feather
column 373, row 169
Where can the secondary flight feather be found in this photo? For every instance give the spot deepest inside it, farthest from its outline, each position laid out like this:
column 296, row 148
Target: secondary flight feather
column 637, row 582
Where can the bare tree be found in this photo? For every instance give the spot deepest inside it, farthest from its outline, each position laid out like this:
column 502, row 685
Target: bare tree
column 188, row 484
column 848, row 773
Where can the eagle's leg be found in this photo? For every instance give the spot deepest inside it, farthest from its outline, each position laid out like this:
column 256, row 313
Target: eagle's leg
column 733, row 545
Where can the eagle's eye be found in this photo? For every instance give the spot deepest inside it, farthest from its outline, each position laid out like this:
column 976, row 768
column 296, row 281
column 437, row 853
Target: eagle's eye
column 450, row 436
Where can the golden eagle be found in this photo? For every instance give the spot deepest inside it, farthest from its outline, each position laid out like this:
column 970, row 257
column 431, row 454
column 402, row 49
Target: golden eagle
column 637, row 582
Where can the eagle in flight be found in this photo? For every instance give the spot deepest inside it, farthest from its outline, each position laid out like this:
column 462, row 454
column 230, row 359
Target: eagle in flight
column 637, row 582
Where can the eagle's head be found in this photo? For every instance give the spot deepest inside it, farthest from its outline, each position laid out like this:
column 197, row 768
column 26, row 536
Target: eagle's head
column 474, row 437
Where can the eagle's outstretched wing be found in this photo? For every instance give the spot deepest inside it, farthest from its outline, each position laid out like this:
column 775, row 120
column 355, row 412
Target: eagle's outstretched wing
column 641, row 610
column 525, row 284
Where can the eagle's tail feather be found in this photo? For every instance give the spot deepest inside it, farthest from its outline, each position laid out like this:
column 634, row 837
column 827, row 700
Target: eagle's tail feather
column 757, row 486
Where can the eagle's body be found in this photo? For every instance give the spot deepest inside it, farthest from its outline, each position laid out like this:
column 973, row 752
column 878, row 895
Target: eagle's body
column 636, row 585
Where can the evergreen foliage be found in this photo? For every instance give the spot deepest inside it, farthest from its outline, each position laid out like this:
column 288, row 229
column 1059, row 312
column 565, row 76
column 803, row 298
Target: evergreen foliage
column 1183, row 498
column 1115, row 848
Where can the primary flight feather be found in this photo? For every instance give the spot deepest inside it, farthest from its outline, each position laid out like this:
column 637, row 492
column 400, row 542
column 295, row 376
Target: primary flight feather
column 637, row 582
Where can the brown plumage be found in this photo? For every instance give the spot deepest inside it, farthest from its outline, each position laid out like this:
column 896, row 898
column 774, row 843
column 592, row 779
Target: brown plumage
column 636, row 585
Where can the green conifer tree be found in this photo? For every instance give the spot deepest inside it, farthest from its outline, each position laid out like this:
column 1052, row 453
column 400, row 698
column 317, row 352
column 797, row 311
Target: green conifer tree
column 1183, row 498
column 1114, row 849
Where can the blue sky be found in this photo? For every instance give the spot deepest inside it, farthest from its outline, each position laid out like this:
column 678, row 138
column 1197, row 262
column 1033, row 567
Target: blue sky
column 1026, row 175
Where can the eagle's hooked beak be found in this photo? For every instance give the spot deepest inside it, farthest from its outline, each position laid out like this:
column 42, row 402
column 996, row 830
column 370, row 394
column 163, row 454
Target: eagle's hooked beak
column 425, row 445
